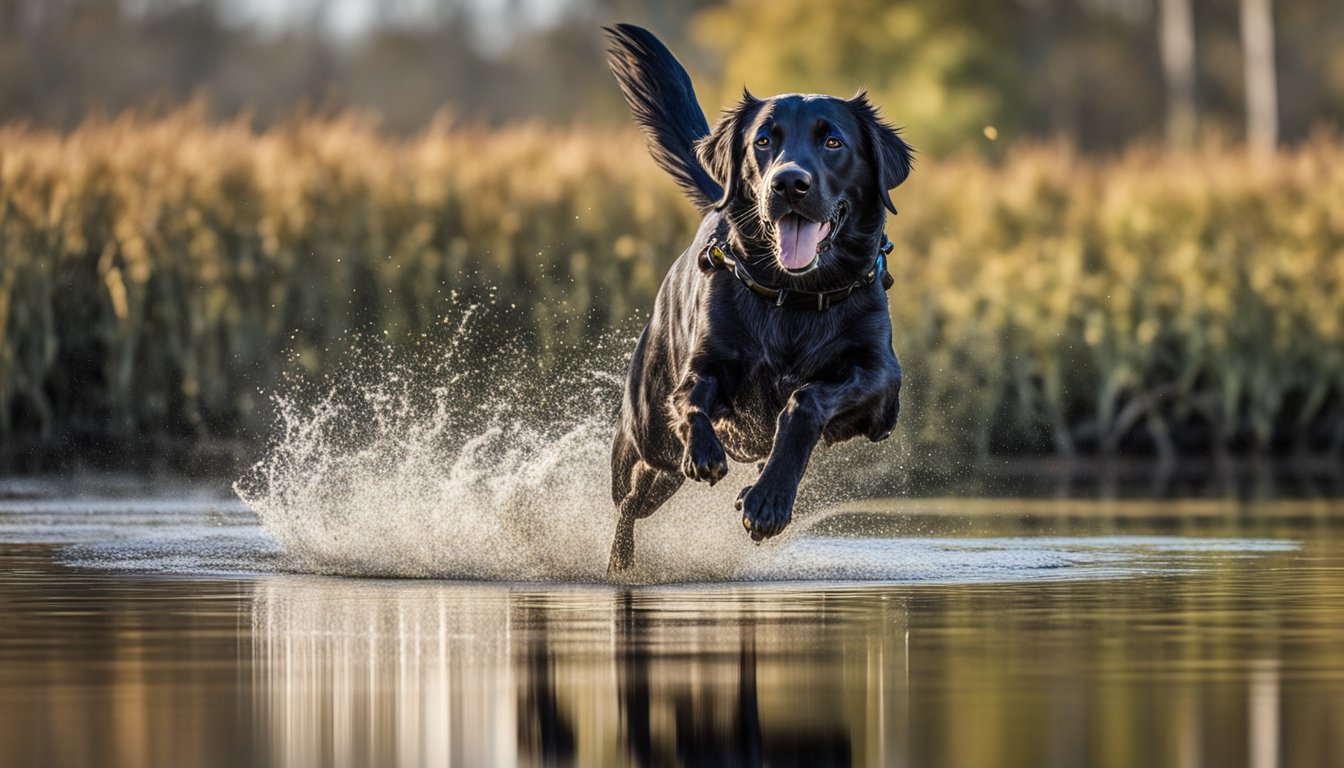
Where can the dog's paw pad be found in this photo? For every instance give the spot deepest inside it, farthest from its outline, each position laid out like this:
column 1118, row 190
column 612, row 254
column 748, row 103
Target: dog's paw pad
column 704, row 460
column 765, row 511
column 742, row 494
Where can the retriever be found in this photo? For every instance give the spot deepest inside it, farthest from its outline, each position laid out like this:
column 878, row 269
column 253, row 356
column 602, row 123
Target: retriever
column 771, row 331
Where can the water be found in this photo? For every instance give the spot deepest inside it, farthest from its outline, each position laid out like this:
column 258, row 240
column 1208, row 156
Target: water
column 415, row 574
column 162, row 625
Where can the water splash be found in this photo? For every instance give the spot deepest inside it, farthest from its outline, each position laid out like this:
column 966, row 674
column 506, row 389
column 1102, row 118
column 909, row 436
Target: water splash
column 472, row 468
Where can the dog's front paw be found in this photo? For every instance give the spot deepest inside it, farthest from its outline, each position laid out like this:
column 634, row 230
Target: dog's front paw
column 704, row 459
column 766, row 510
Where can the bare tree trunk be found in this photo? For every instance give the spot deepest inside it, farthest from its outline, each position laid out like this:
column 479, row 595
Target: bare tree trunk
column 1177, row 33
column 1262, row 93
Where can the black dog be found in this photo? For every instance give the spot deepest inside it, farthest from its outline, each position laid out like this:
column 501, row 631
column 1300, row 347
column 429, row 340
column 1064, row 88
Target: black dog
column 771, row 331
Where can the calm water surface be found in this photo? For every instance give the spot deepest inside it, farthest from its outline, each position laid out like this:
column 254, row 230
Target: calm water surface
column 161, row 629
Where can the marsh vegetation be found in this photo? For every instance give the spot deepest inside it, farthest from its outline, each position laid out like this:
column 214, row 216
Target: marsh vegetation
column 161, row 273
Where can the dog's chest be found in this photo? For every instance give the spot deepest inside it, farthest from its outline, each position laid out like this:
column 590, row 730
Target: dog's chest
column 747, row 427
column 789, row 349
column 774, row 364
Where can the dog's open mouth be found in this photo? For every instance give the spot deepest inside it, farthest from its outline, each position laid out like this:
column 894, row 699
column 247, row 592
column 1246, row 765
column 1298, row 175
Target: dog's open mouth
column 800, row 240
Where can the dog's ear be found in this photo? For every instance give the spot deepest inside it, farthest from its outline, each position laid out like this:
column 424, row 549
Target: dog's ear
column 892, row 157
column 721, row 152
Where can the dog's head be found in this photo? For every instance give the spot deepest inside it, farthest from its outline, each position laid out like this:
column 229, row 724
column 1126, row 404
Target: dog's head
column 806, row 178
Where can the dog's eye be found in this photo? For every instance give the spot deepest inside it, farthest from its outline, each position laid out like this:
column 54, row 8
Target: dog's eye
column 834, row 143
column 763, row 142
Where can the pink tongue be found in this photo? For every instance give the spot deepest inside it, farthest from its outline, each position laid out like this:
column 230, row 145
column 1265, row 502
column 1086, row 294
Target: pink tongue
column 798, row 240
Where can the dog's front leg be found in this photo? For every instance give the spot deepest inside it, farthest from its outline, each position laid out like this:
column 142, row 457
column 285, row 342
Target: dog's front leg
column 702, row 456
column 767, row 505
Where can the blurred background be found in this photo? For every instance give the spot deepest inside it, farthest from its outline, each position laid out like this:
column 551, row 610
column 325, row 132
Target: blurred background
column 1100, row 74
column 1124, row 236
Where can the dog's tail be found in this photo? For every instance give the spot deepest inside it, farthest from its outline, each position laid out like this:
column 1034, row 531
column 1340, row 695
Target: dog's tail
column 660, row 94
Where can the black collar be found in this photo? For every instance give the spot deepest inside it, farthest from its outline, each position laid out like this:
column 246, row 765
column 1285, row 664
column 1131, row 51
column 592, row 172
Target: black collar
column 717, row 256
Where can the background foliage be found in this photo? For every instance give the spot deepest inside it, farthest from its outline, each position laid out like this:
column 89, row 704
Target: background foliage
column 158, row 271
column 1085, row 71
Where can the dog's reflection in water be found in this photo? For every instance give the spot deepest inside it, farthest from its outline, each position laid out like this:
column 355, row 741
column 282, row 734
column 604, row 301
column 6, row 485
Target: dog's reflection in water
column 405, row 673
column 545, row 732
column 675, row 708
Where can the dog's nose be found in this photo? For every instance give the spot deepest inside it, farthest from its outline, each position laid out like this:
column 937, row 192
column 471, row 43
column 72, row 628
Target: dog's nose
column 791, row 183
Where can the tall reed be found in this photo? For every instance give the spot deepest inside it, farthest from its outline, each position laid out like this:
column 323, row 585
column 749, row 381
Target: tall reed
column 156, row 273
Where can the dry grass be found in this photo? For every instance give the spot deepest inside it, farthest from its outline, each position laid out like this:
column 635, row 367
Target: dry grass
column 1170, row 302
column 154, row 272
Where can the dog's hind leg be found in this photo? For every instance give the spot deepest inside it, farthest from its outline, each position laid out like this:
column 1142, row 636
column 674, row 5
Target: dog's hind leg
column 624, row 457
column 649, row 489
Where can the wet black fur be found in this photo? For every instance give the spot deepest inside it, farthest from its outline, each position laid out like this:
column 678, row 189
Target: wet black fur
column 720, row 371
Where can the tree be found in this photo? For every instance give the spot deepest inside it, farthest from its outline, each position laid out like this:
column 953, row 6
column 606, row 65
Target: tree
column 933, row 66
column 1177, row 31
column 1262, row 93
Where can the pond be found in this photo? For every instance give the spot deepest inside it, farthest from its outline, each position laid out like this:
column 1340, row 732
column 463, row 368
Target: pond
column 160, row 625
